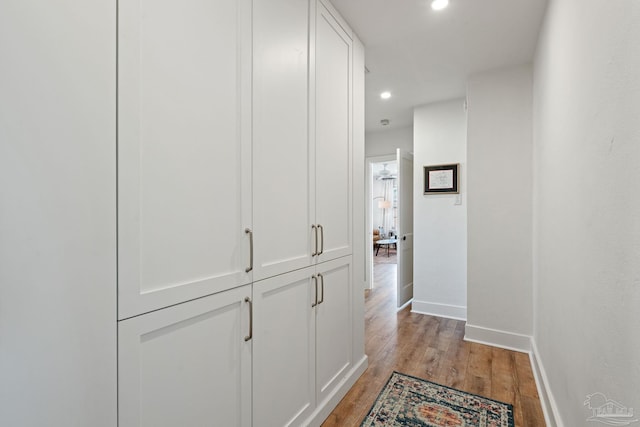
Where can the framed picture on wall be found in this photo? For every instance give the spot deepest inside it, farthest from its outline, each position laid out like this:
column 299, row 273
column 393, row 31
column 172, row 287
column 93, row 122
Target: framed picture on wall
column 441, row 179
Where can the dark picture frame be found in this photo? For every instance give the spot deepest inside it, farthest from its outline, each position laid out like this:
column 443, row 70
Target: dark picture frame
column 441, row 179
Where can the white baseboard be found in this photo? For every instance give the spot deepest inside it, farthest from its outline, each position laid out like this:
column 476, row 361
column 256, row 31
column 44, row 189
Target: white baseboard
column 496, row 338
column 329, row 404
column 405, row 304
column 549, row 406
column 456, row 312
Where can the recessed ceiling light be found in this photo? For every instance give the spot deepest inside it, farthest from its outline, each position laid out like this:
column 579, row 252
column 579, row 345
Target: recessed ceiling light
column 385, row 95
column 439, row 4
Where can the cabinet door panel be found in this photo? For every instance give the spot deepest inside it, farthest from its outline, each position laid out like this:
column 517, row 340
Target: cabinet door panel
column 333, row 134
column 281, row 178
column 284, row 353
column 333, row 326
column 187, row 365
column 183, row 150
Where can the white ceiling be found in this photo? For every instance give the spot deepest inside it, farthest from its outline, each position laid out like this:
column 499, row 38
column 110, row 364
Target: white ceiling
column 423, row 56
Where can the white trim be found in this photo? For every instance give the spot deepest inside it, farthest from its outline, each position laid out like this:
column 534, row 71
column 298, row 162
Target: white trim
column 384, row 158
column 456, row 312
column 339, row 19
column 325, row 407
column 404, row 305
column 496, row 338
column 548, row 403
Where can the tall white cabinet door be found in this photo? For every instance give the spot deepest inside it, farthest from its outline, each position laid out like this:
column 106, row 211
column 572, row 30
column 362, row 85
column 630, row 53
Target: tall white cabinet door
column 333, row 325
column 187, row 365
column 283, row 349
column 282, row 202
column 184, row 157
column 333, row 49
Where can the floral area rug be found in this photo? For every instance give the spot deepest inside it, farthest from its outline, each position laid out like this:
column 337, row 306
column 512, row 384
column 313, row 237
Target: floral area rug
column 410, row 401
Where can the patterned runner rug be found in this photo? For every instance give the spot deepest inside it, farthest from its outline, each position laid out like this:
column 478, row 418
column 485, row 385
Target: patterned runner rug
column 410, row 401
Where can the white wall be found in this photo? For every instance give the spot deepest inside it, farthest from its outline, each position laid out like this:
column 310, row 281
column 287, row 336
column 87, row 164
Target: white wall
column 387, row 141
column 587, row 204
column 57, row 213
column 440, row 226
column 500, row 177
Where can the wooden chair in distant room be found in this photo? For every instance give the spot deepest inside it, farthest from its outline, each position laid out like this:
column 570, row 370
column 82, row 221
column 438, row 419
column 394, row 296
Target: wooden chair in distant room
column 376, row 236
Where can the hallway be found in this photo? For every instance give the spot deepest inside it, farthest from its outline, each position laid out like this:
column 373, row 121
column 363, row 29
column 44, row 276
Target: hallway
column 432, row 348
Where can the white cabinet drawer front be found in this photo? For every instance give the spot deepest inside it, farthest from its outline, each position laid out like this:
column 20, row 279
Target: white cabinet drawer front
column 187, row 365
column 183, row 150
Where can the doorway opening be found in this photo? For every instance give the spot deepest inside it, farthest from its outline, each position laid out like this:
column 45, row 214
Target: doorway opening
column 384, row 212
column 389, row 224
column 379, row 215
column 382, row 221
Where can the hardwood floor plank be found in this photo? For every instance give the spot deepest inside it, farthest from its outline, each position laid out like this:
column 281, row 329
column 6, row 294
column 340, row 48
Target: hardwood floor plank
column 525, row 375
column 478, row 378
column 432, row 348
column 455, row 368
column 532, row 415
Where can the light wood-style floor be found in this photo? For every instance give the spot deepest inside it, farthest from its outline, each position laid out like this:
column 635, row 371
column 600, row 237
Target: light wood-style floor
column 433, row 348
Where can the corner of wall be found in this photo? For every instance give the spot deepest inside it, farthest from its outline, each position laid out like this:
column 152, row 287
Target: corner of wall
column 547, row 401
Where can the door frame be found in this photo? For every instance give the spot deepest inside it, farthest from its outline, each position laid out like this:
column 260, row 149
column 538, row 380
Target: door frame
column 368, row 260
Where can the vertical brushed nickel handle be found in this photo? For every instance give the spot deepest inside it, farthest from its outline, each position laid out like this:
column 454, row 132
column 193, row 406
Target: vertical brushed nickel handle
column 321, row 288
column 315, row 251
column 250, row 233
column 322, row 238
column 315, row 282
column 248, row 337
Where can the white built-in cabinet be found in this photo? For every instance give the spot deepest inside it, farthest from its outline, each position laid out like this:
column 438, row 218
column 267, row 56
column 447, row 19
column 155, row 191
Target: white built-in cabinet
column 302, row 136
column 187, row 365
column 302, row 341
column 333, row 325
column 184, row 141
column 284, row 349
column 282, row 179
column 332, row 136
column 235, row 213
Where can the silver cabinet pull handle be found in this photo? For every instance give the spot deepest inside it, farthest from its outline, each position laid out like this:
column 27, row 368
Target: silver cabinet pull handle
column 322, row 238
column 315, row 283
column 248, row 337
column 321, row 288
column 315, row 250
column 250, row 233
